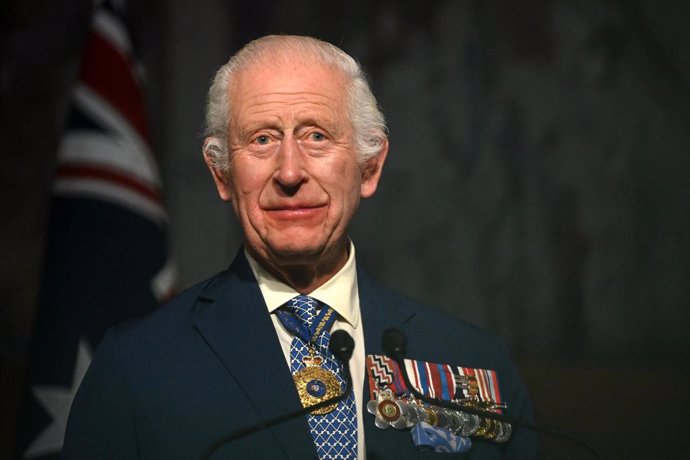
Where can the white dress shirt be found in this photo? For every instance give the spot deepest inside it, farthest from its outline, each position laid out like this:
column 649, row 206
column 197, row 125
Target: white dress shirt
column 342, row 295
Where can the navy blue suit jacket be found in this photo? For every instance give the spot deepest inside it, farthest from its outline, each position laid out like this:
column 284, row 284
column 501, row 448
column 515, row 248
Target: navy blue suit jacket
column 209, row 363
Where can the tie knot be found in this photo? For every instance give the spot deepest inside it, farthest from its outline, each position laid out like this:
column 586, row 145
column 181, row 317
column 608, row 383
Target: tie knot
column 307, row 318
column 304, row 308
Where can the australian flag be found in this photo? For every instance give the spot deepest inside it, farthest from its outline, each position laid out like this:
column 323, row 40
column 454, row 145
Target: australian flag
column 106, row 258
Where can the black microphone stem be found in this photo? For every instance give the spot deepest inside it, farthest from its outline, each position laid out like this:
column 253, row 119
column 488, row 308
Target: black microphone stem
column 341, row 346
column 241, row 433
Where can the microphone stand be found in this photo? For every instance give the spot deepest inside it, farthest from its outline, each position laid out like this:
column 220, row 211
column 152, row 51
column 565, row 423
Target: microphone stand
column 394, row 344
column 341, row 345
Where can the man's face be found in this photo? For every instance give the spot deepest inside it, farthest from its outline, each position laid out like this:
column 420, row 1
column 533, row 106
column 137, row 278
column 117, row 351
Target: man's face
column 294, row 177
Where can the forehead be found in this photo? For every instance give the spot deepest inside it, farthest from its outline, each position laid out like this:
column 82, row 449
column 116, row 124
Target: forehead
column 278, row 84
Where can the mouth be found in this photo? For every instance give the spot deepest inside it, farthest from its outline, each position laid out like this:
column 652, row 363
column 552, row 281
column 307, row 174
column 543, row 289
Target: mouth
column 296, row 212
column 292, row 206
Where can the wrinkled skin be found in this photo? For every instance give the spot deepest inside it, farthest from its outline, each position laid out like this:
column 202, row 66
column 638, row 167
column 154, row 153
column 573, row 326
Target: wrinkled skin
column 294, row 178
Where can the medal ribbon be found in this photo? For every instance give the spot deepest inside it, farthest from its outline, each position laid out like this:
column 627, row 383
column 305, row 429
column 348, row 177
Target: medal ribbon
column 307, row 330
column 434, row 380
column 440, row 440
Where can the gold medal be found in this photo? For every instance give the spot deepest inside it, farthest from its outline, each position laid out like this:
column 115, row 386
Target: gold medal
column 432, row 418
column 486, row 428
column 315, row 384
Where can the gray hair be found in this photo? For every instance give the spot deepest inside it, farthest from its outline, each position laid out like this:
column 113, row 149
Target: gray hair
column 368, row 123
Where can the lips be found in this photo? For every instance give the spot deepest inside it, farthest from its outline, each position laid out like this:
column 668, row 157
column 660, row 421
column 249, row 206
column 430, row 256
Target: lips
column 291, row 206
column 295, row 212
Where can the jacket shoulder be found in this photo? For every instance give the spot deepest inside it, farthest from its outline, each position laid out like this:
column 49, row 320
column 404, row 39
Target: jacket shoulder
column 441, row 331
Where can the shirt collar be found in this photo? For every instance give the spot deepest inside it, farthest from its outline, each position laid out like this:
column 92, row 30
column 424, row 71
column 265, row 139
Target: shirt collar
column 340, row 292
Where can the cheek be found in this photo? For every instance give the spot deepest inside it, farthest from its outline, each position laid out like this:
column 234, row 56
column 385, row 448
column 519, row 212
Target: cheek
column 347, row 182
column 248, row 180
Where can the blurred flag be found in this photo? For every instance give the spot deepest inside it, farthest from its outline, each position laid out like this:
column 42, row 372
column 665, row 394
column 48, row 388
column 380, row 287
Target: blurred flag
column 106, row 258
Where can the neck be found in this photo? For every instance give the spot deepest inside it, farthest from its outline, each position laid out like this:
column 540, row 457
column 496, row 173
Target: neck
column 306, row 275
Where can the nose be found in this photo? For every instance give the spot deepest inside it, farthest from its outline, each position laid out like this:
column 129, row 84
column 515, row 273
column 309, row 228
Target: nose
column 289, row 173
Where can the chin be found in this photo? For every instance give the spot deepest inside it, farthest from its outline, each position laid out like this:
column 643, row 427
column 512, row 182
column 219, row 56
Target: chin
column 295, row 254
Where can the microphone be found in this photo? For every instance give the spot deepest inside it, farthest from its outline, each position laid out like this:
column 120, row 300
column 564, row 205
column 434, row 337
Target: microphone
column 394, row 344
column 341, row 345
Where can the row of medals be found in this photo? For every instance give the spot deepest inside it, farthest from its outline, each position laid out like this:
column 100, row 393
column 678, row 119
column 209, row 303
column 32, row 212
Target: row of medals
column 315, row 384
column 407, row 412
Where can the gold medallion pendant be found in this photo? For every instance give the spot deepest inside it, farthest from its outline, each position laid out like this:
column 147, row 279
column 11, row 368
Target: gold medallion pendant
column 315, row 384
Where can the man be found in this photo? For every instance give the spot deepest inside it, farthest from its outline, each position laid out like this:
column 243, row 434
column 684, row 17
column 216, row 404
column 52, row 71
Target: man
column 294, row 140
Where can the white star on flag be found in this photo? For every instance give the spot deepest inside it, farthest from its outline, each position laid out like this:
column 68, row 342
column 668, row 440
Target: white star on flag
column 57, row 402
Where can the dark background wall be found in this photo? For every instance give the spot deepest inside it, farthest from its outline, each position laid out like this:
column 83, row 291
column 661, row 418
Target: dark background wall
column 536, row 184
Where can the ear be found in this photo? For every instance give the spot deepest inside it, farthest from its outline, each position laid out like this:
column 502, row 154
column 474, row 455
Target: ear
column 371, row 171
column 212, row 149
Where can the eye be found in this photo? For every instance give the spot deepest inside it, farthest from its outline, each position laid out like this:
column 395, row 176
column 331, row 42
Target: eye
column 317, row 136
column 262, row 140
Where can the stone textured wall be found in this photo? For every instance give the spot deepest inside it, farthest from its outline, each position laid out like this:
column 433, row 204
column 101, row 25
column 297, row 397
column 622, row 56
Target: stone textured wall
column 537, row 182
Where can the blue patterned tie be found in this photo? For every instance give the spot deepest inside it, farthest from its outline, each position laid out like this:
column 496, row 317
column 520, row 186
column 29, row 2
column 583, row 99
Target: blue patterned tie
column 334, row 433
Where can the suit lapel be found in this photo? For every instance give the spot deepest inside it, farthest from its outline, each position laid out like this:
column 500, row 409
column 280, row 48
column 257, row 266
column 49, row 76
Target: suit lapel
column 232, row 301
column 232, row 318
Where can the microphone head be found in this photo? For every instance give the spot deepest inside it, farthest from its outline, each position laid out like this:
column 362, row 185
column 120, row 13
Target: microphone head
column 394, row 343
column 341, row 345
